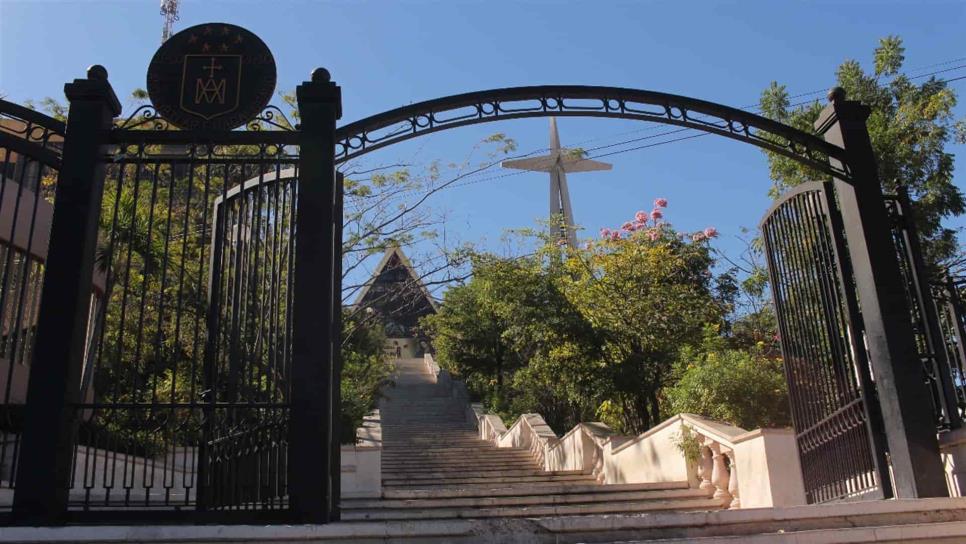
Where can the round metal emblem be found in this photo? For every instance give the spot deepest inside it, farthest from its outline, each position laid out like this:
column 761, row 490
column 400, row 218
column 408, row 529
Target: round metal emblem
column 211, row 76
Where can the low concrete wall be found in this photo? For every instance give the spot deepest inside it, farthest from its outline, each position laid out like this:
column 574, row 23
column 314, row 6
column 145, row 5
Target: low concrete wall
column 649, row 457
column 361, row 471
column 952, row 448
column 769, row 471
column 362, row 462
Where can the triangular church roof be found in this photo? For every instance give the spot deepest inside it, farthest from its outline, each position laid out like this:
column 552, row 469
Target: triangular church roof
column 403, row 260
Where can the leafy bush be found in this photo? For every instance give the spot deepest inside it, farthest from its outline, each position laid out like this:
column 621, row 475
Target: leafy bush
column 744, row 388
column 364, row 371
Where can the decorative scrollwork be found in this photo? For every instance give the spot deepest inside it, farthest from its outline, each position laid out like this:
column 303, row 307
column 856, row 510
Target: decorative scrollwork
column 147, row 152
column 31, row 125
column 144, row 116
column 272, row 116
column 414, row 120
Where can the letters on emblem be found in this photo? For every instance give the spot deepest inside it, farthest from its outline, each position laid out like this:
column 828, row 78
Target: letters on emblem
column 210, row 84
column 210, row 90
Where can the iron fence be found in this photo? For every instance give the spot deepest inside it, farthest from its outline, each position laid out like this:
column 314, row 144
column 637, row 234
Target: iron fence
column 190, row 370
column 937, row 318
column 830, row 388
column 29, row 161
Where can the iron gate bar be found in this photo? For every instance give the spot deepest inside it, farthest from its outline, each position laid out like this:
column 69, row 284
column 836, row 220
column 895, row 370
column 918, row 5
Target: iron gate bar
column 335, row 427
column 37, row 152
column 38, row 127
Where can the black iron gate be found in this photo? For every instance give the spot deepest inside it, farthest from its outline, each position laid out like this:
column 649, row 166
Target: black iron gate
column 185, row 349
column 248, row 366
column 192, row 365
column 835, row 413
column 30, row 149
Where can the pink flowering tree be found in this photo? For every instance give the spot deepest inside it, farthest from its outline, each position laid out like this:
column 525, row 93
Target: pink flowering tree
column 647, row 290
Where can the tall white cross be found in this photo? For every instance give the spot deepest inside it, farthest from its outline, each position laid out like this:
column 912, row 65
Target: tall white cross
column 558, row 163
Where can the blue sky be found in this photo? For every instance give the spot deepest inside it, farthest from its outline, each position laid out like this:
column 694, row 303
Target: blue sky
column 387, row 54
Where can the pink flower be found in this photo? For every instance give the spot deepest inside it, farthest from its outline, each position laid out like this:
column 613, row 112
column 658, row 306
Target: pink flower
column 654, row 234
column 615, row 235
column 656, row 214
column 641, row 217
column 711, row 232
column 605, row 233
column 697, row 237
column 660, row 203
column 628, row 227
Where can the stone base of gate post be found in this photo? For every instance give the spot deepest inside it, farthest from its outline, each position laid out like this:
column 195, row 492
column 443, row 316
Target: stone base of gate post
column 952, row 448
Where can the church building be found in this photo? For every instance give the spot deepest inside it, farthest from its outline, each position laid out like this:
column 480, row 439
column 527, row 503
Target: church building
column 400, row 298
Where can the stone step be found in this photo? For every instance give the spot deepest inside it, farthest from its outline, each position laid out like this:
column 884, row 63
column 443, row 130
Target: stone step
column 907, row 521
column 446, row 474
column 627, row 507
column 392, row 447
column 466, row 457
column 602, row 495
column 433, row 449
column 460, row 465
column 489, row 481
column 528, row 489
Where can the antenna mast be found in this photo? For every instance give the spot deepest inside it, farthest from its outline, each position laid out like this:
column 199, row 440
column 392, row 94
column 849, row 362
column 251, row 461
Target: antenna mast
column 169, row 10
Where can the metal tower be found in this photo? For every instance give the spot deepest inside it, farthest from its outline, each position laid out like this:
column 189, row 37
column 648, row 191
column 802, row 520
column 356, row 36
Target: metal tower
column 169, row 10
column 558, row 163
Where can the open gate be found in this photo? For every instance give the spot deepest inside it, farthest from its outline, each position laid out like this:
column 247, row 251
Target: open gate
column 835, row 413
column 185, row 353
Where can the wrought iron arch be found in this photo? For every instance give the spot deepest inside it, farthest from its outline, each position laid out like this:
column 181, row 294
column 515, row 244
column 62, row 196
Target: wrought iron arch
column 460, row 110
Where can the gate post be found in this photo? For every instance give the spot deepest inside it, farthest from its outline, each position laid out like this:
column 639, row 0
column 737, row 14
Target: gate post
column 335, row 432
column 44, row 473
column 910, row 430
column 311, row 420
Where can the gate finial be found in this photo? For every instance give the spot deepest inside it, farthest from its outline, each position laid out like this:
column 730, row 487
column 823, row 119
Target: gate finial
column 836, row 94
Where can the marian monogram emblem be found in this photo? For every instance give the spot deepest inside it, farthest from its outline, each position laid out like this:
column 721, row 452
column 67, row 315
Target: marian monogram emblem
column 211, row 76
column 210, row 84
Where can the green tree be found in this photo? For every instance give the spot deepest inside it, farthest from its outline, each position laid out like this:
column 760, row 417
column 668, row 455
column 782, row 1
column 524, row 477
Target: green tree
column 910, row 125
column 742, row 387
column 584, row 332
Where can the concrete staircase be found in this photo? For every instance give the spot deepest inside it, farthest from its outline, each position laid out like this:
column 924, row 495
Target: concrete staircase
column 435, row 467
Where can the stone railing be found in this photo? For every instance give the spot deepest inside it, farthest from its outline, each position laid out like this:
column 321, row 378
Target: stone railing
column 743, row 469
